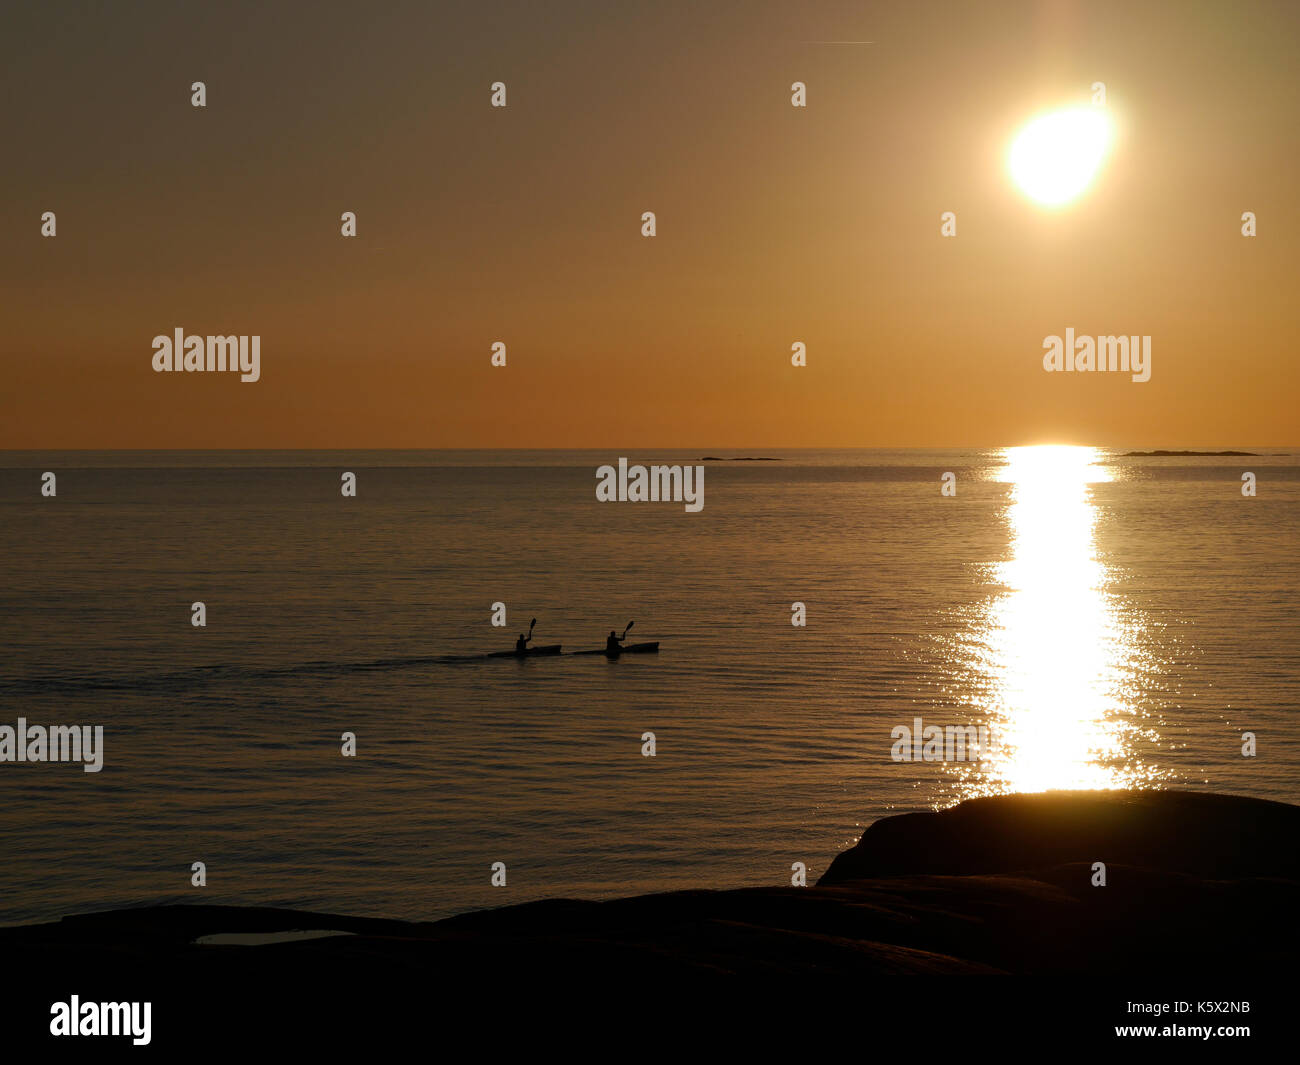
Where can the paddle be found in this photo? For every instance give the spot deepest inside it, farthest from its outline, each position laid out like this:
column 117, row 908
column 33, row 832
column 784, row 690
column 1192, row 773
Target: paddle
column 520, row 651
column 629, row 625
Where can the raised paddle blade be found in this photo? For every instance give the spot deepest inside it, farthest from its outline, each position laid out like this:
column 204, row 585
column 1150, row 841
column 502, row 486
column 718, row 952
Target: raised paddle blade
column 530, row 626
column 629, row 625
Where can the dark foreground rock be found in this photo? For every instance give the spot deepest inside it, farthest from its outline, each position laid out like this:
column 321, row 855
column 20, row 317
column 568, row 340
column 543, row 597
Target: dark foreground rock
column 1197, row 833
column 1197, row 884
column 1001, row 884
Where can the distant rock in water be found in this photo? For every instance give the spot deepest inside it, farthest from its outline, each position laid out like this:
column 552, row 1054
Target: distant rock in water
column 1185, row 454
column 1196, row 833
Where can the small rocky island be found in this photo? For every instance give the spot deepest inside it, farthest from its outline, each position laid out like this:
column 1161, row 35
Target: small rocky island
column 1186, row 454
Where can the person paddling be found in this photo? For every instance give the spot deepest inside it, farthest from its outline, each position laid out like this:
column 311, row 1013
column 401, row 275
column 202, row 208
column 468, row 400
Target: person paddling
column 613, row 642
column 521, row 644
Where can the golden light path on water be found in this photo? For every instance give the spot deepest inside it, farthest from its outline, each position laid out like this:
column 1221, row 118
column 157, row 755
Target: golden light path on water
column 1057, row 658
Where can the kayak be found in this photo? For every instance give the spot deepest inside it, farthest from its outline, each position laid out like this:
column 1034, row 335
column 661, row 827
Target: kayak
column 548, row 649
column 630, row 649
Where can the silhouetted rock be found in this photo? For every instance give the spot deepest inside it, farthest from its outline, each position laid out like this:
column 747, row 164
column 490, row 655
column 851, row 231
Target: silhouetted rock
column 1195, row 884
column 1221, row 836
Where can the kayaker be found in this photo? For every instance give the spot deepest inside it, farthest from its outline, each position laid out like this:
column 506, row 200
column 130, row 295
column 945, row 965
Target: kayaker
column 612, row 642
column 521, row 644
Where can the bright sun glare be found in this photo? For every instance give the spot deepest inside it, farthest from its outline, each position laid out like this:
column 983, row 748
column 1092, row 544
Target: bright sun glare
column 1055, row 156
column 1058, row 656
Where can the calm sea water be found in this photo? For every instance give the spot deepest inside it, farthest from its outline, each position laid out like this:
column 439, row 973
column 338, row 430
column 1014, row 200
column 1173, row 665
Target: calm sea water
column 1114, row 620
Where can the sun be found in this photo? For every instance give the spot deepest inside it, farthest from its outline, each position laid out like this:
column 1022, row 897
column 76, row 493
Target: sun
column 1055, row 156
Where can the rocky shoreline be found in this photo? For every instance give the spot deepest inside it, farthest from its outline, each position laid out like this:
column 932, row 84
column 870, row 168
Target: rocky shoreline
column 1195, row 883
column 997, row 884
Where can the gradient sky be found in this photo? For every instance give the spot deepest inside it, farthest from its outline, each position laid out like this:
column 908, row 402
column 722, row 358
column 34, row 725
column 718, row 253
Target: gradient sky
column 523, row 225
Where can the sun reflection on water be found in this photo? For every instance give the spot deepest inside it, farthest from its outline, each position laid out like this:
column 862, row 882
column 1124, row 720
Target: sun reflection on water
column 1057, row 658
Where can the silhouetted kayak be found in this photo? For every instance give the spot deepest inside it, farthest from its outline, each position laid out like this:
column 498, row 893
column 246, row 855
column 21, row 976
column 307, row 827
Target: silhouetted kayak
column 549, row 649
column 630, row 649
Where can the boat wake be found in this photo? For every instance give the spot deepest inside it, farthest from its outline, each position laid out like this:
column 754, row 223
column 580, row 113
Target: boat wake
column 203, row 676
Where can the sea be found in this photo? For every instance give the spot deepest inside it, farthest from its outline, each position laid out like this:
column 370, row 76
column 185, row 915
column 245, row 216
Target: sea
column 1106, row 619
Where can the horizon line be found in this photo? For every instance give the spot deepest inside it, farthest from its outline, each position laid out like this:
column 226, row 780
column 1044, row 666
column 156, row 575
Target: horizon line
column 680, row 447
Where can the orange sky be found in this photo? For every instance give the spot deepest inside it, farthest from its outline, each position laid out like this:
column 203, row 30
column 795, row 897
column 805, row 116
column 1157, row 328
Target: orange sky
column 523, row 225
